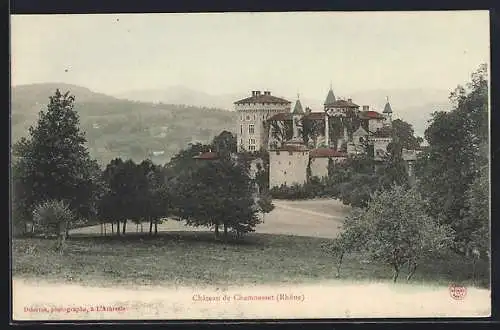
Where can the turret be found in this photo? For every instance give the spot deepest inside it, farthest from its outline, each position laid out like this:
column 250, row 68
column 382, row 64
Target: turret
column 388, row 112
column 297, row 115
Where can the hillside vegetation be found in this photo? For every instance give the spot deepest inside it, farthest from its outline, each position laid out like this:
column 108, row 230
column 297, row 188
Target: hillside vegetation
column 122, row 128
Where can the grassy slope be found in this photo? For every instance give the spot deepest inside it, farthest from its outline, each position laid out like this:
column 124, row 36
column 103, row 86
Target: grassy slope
column 124, row 128
column 189, row 258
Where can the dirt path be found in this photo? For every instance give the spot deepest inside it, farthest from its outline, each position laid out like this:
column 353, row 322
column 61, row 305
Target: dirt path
column 316, row 218
column 333, row 299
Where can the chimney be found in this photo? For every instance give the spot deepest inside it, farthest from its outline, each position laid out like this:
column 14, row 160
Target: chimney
column 349, row 100
column 267, row 93
column 257, row 93
column 366, row 107
column 254, row 93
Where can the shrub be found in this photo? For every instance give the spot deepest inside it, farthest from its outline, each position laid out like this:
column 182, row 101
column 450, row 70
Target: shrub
column 53, row 217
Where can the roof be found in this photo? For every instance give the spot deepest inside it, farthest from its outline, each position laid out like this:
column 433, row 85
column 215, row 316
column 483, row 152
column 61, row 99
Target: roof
column 387, row 108
column 298, row 108
column 383, row 132
column 343, row 104
column 360, row 132
column 263, row 98
column 326, row 152
column 292, row 146
column 315, row 116
column 281, row 116
column 209, row 155
column 330, row 98
column 370, row 115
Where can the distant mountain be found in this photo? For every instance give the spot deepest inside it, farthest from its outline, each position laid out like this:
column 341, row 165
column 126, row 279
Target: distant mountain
column 122, row 128
column 180, row 95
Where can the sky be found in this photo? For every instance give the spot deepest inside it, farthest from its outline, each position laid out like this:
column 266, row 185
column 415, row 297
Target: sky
column 223, row 53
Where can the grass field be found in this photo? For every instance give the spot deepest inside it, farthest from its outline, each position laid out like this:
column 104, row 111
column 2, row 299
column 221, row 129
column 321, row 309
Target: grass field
column 195, row 258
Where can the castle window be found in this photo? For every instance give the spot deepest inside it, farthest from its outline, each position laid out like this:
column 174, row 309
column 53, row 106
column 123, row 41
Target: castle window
column 290, row 163
column 241, row 129
column 251, row 141
column 251, row 129
column 248, row 117
column 252, row 148
column 284, row 172
column 254, row 117
column 277, row 154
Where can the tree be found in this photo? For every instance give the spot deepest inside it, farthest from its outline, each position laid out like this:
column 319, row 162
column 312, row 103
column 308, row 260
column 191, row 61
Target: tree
column 125, row 186
column 218, row 194
column 396, row 230
column 53, row 162
column 281, row 130
column 457, row 141
column 54, row 218
column 265, row 203
column 312, row 130
column 351, row 239
column 224, row 144
column 404, row 135
column 475, row 223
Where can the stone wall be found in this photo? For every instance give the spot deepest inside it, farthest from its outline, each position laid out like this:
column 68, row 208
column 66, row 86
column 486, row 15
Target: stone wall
column 287, row 168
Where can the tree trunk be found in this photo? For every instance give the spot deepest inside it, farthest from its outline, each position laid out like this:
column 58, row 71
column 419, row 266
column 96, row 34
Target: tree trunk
column 112, row 228
column 156, row 227
column 105, row 225
column 474, row 271
column 118, row 228
column 339, row 264
column 225, row 233
column 102, row 230
column 216, row 230
column 124, row 226
column 412, row 269
column 142, row 229
column 150, row 226
column 396, row 274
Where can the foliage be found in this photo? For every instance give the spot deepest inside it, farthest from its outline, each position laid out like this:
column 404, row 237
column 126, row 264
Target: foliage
column 217, row 194
column 395, row 229
column 312, row 130
column 53, row 217
column 475, row 222
column 225, row 144
column 53, row 162
column 281, row 131
column 457, row 150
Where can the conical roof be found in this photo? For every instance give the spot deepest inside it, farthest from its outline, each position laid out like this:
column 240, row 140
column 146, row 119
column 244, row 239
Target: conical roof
column 330, row 98
column 298, row 108
column 387, row 108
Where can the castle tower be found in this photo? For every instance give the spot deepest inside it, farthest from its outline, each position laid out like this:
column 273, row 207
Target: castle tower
column 297, row 115
column 388, row 112
column 329, row 109
column 253, row 112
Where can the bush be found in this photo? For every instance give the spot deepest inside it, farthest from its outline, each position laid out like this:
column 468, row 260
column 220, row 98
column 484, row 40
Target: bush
column 53, row 217
column 314, row 188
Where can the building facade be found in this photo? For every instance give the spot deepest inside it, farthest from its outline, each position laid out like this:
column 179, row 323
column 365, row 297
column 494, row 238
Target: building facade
column 253, row 113
column 302, row 143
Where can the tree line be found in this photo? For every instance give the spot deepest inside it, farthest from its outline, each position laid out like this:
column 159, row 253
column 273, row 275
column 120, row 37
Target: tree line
column 57, row 185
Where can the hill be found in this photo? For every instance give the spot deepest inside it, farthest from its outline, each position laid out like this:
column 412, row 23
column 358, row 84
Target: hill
column 122, row 128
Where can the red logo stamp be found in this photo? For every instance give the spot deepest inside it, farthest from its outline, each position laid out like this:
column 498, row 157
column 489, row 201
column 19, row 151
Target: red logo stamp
column 457, row 292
